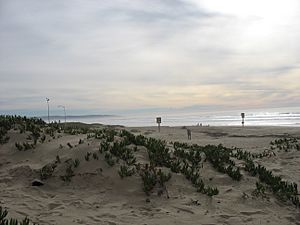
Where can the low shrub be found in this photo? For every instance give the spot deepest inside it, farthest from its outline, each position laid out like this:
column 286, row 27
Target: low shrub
column 69, row 174
column 47, row 171
column 87, row 156
column 76, row 163
column 125, row 171
column 11, row 221
column 109, row 159
column 95, row 156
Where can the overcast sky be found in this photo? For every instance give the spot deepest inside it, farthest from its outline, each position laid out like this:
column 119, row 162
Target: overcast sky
column 113, row 55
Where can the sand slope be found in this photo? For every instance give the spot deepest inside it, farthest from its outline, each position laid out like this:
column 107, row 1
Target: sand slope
column 97, row 195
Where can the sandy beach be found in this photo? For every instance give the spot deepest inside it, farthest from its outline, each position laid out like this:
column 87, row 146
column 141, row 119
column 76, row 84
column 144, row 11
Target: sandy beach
column 84, row 85
column 97, row 194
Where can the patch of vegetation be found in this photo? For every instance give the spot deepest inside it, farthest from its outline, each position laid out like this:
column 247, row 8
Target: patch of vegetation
column 58, row 159
column 5, row 221
column 107, row 134
column 43, row 138
column 24, row 146
column 17, row 122
column 126, row 171
column 286, row 144
column 104, row 147
column 149, row 179
column 159, row 154
column 282, row 189
column 76, row 163
column 87, row 156
column 47, row 171
column 69, row 173
column 19, row 146
column 176, row 166
column 121, row 152
column 3, row 137
column 109, row 159
column 74, row 129
column 218, row 156
column 152, row 177
column 95, row 156
column 162, row 177
column 260, row 190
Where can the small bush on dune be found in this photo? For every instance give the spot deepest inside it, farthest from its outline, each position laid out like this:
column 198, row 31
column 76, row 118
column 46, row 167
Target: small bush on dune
column 47, row 171
column 109, row 159
column 58, row 159
column 149, row 179
column 109, row 134
column 211, row 191
column 260, row 190
column 43, row 138
column 3, row 138
column 24, row 147
column 87, row 156
column 287, row 144
column 95, row 156
column 19, row 146
column 27, row 146
column 176, row 166
column 104, row 147
column 5, row 221
column 162, row 177
column 76, row 163
column 69, row 174
column 89, row 136
column 125, row 171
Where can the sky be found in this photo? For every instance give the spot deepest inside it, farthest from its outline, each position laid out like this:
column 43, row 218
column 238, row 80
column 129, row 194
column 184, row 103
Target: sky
column 114, row 56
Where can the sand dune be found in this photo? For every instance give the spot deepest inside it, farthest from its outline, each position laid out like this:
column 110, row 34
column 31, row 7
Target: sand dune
column 97, row 194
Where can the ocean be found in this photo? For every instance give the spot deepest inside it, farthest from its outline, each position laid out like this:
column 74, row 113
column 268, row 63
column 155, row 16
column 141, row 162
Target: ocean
column 266, row 117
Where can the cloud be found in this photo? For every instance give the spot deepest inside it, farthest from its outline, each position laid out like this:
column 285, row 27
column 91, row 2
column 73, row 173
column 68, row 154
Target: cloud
column 121, row 54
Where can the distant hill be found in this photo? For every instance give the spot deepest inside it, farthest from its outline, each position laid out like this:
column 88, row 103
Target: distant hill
column 76, row 116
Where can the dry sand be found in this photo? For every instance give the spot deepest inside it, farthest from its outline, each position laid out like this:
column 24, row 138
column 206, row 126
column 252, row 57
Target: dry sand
column 97, row 195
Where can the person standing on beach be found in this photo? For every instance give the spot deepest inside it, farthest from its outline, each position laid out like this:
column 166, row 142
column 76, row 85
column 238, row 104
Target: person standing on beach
column 189, row 134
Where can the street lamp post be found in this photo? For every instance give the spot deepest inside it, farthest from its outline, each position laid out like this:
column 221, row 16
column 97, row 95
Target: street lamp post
column 47, row 99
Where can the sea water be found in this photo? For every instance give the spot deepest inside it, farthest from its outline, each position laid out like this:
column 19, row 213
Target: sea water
column 262, row 117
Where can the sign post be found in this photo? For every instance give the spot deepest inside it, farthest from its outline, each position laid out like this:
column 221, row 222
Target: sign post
column 243, row 117
column 158, row 121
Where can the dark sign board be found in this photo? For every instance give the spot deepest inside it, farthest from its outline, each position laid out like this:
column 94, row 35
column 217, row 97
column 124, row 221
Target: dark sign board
column 158, row 119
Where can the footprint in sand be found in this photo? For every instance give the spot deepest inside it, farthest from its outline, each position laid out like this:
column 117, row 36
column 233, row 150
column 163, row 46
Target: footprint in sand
column 250, row 213
column 224, row 216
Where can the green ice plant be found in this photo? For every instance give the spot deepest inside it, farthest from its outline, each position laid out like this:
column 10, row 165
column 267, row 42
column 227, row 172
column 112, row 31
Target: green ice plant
column 125, row 171
column 5, row 221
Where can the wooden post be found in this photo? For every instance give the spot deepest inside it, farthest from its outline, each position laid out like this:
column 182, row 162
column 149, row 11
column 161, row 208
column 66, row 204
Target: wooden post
column 158, row 121
column 243, row 117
